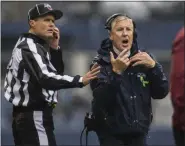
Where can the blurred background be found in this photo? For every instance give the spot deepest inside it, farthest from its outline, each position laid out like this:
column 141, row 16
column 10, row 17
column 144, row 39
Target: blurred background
column 82, row 30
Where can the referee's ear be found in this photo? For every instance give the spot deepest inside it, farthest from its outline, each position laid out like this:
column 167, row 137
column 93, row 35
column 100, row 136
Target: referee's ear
column 31, row 23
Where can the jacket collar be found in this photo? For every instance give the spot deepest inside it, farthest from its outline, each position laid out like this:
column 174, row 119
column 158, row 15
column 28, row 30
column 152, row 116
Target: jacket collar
column 36, row 38
column 106, row 47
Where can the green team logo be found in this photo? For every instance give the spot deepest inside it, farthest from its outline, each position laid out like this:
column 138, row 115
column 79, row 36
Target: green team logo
column 53, row 105
column 142, row 79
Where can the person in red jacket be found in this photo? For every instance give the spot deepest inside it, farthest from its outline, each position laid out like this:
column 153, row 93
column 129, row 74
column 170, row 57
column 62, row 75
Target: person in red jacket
column 177, row 88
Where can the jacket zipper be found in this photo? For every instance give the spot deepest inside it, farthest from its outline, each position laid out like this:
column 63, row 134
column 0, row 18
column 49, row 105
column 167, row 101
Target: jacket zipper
column 133, row 98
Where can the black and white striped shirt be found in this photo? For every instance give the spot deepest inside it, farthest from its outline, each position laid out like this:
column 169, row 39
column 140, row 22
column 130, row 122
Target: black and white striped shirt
column 31, row 78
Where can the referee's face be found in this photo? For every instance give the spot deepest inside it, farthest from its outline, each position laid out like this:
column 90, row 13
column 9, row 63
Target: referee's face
column 44, row 26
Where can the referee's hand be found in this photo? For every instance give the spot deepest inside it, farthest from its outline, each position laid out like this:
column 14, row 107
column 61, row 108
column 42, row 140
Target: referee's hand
column 92, row 74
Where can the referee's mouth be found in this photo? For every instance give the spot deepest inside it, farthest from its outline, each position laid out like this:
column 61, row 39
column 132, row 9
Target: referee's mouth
column 50, row 30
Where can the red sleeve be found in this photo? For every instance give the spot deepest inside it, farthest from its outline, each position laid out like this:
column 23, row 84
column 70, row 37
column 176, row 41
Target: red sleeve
column 177, row 70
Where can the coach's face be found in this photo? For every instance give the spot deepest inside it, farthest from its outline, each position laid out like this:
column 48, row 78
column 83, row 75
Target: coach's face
column 43, row 26
column 121, row 33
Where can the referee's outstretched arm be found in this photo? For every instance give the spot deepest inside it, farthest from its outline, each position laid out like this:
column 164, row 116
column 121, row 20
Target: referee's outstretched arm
column 41, row 68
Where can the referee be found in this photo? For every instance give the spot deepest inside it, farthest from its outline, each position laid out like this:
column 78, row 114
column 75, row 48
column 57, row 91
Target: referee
column 34, row 74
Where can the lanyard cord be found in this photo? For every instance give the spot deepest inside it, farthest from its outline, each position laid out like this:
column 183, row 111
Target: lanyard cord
column 86, row 136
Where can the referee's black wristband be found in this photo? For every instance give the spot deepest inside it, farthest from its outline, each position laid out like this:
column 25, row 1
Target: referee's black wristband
column 77, row 82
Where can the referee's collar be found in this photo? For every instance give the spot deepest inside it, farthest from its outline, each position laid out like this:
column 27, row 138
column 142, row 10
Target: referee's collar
column 36, row 38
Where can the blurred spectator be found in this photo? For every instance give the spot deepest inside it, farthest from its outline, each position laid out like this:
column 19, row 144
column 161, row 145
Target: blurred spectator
column 177, row 88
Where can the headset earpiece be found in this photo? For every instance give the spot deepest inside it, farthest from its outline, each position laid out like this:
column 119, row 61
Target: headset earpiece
column 110, row 19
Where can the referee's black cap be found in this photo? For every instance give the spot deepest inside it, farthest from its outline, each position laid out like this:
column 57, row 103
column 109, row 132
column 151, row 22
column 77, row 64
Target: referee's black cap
column 43, row 9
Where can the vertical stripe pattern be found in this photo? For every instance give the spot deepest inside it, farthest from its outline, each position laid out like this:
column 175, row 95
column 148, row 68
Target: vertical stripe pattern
column 31, row 76
column 17, row 79
column 38, row 120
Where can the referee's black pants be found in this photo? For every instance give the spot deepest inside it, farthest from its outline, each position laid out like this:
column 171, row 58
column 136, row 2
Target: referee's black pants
column 33, row 127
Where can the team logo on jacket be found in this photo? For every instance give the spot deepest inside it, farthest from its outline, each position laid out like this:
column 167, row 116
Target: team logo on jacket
column 142, row 78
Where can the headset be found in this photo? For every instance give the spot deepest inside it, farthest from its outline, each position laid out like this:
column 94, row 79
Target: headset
column 113, row 17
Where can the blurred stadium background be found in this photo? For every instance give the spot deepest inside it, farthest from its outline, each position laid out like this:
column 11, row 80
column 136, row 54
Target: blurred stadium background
column 82, row 30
